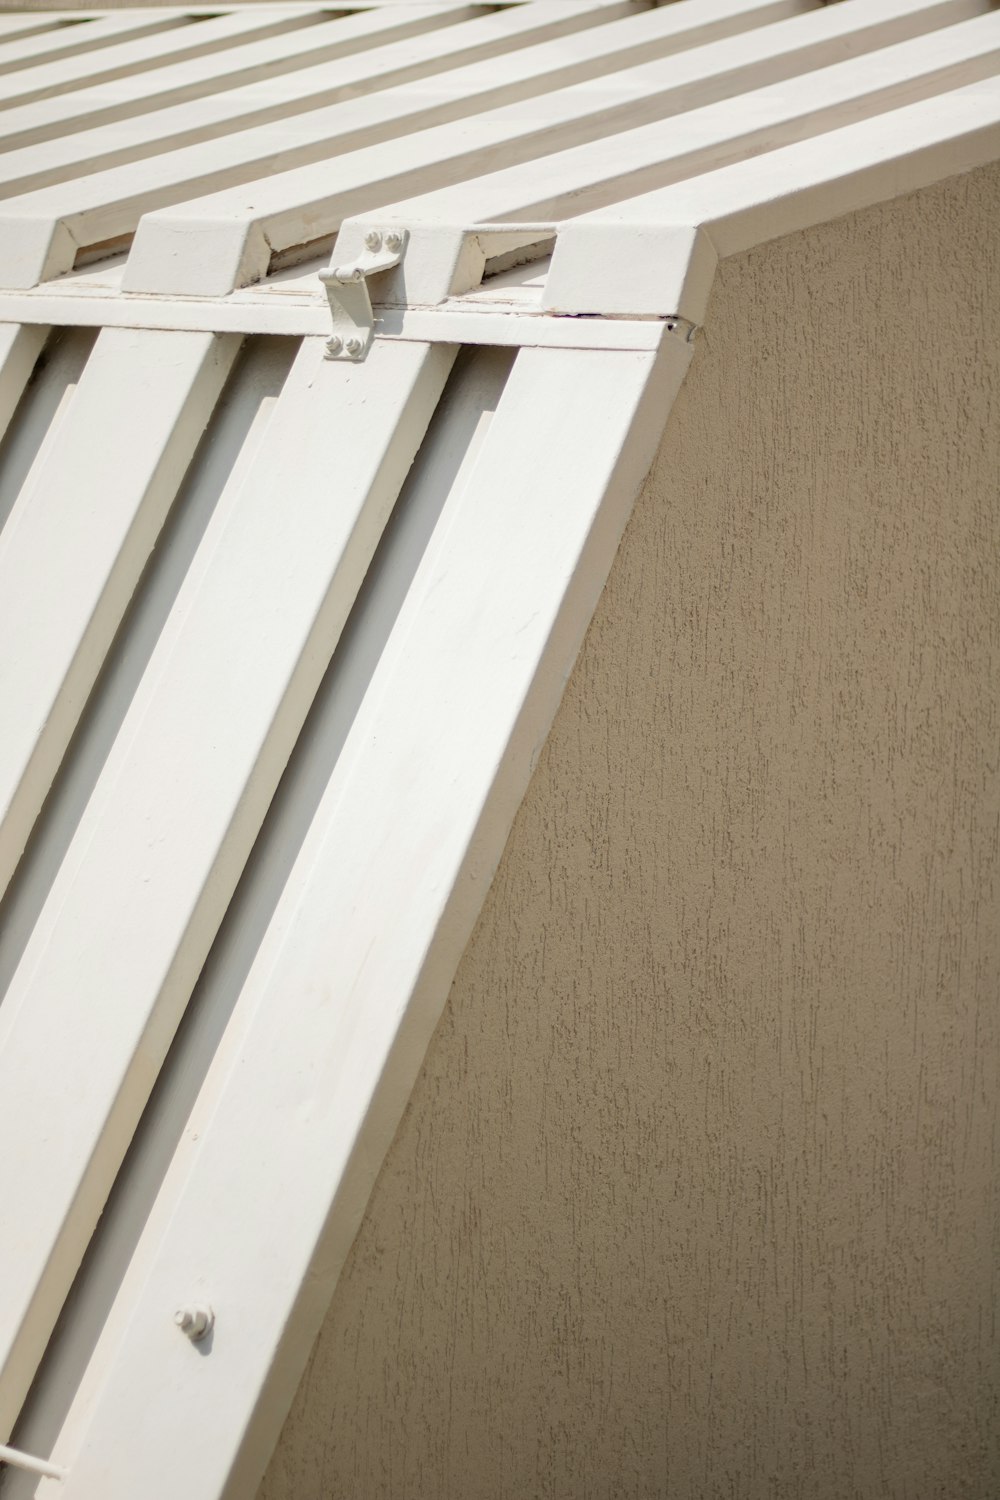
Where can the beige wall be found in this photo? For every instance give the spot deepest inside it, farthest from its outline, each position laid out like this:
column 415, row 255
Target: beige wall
column 697, row 1193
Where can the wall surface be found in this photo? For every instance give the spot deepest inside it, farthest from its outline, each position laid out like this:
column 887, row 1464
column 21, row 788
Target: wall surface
column 697, row 1194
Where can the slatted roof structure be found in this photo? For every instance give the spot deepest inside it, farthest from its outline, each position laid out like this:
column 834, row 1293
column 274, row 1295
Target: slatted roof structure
column 335, row 345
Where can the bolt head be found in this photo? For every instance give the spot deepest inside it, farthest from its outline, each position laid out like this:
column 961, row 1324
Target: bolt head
column 353, row 346
column 373, row 240
column 334, row 345
column 196, row 1322
column 393, row 240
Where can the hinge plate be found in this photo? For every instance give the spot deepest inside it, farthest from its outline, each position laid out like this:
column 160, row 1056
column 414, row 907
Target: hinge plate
column 350, row 302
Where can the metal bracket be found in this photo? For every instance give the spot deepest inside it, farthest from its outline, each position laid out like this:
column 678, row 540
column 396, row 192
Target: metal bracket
column 347, row 289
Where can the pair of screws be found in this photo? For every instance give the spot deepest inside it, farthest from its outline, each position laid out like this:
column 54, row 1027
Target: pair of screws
column 374, row 241
column 353, row 346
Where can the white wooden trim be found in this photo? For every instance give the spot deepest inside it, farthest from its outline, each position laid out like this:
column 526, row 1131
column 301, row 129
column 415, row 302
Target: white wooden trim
column 208, row 245
column 130, row 916
column 449, row 324
column 358, row 959
column 78, row 537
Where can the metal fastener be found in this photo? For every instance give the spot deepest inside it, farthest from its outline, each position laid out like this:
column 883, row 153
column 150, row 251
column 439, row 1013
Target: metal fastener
column 196, row 1322
column 393, row 240
column 353, row 346
column 334, row 345
column 373, row 240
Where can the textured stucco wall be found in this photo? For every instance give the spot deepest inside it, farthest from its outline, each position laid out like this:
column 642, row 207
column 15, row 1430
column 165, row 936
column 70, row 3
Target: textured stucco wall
column 697, row 1193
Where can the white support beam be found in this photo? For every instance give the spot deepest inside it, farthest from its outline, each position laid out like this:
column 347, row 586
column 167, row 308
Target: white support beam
column 206, row 246
column 458, row 322
column 151, row 868
column 356, row 965
column 673, row 236
column 78, row 537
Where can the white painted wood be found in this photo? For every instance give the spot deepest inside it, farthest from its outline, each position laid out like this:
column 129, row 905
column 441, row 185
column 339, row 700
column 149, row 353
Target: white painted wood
column 132, row 912
column 78, row 537
column 45, row 402
column 357, row 961
column 349, row 124
column 19, row 349
column 75, row 41
column 129, row 58
column 675, row 234
column 577, row 181
column 208, row 245
column 13, row 25
column 311, row 52
column 456, row 323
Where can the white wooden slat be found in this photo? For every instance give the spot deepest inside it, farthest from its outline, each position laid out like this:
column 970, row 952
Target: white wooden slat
column 455, row 323
column 573, row 182
column 19, row 349
column 47, row 398
column 43, row 230
column 40, row 232
column 35, row 23
column 78, row 538
column 127, row 59
column 206, row 246
column 263, row 65
column 350, row 123
column 688, row 226
column 358, row 959
column 75, row 41
column 148, row 875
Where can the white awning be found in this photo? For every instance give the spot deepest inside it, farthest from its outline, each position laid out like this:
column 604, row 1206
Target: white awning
column 292, row 575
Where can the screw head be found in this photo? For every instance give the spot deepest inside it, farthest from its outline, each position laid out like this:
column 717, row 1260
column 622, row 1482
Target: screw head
column 334, row 345
column 393, row 240
column 196, row 1322
column 373, row 240
column 353, row 346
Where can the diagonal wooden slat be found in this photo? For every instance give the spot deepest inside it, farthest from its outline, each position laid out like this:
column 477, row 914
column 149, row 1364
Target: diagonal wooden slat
column 289, row 97
column 357, row 962
column 690, row 225
column 200, row 39
column 146, row 880
column 209, row 245
column 19, row 349
column 579, row 180
column 88, row 36
column 78, row 538
column 263, row 64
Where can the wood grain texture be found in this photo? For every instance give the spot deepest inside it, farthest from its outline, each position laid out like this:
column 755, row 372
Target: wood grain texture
column 697, row 1194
